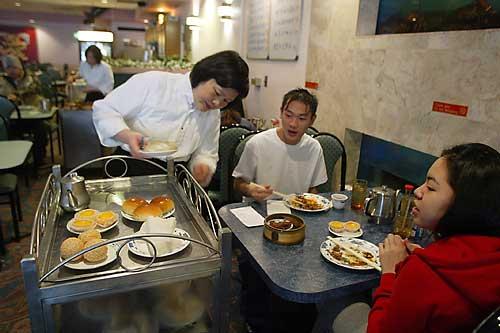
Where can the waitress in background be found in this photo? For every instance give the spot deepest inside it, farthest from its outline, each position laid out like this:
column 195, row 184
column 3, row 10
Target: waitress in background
column 183, row 108
column 97, row 73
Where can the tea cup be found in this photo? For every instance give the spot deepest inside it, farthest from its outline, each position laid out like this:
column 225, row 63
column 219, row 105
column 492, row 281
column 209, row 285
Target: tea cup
column 338, row 200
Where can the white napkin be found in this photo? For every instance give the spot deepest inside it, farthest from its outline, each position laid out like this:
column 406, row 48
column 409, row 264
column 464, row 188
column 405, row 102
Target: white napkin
column 276, row 206
column 163, row 244
column 248, row 216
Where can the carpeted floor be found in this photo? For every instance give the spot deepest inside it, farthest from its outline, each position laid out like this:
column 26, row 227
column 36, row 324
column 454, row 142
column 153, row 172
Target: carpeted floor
column 13, row 306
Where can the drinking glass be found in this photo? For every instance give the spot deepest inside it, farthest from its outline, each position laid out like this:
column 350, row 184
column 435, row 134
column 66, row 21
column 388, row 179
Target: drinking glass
column 359, row 191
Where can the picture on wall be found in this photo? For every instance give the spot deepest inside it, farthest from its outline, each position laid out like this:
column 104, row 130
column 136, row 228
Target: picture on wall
column 19, row 41
column 410, row 16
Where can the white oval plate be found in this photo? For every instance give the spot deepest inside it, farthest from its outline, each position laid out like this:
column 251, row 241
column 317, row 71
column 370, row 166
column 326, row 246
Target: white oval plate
column 160, row 153
column 98, row 228
column 141, row 248
column 131, row 218
column 360, row 244
column 327, row 204
column 358, row 233
column 83, row 265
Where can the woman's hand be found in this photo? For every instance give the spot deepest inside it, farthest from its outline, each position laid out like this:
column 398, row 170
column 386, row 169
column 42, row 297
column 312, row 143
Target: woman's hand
column 392, row 252
column 259, row 192
column 201, row 172
column 90, row 88
column 411, row 246
column 133, row 139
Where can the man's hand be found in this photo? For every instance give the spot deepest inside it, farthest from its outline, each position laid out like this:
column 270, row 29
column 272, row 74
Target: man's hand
column 133, row 139
column 202, row 174
column 392, row 252
column 259, row 192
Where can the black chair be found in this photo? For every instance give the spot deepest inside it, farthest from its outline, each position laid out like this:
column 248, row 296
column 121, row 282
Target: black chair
column 311, row 131
column 219, row 188
column 235, row 196
column 333, row 149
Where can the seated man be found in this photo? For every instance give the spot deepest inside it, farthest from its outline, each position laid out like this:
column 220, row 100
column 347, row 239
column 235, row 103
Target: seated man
column 283, row 158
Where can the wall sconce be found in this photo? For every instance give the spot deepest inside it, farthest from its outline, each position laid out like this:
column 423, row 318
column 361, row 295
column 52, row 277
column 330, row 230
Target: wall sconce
column 225, row 11
column 193, row 22
column 161, row 18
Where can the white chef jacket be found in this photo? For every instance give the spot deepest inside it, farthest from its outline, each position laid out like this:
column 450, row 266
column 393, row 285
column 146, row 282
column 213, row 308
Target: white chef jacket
column 99, row 76
column 160, row 105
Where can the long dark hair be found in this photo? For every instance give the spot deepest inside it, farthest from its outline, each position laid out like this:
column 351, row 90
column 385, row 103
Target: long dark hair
column 474, row 176
column 95, row 52
column 226, row 67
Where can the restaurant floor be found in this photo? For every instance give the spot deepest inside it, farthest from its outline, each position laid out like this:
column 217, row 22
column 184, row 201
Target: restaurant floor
column 13, row 306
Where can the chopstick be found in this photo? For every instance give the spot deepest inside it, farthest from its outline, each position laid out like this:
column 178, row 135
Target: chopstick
column 279, row 194
column 355, row 253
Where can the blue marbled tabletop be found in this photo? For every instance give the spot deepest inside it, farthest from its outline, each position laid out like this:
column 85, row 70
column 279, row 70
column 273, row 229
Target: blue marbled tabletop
column 299, row 273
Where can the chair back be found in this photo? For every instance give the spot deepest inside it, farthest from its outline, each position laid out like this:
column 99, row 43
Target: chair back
column 236, row 197
column 221, row 181
column 7, row 107
column 333, row 150
column 311, row 131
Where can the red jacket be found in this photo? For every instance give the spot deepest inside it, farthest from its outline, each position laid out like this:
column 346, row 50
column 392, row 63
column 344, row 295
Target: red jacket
column 450, row 286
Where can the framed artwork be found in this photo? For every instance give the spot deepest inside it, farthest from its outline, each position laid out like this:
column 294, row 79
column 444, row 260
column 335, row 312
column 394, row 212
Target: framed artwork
column 19, row 41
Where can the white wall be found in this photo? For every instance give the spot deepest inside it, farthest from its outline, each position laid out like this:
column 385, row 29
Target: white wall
column 265, row 102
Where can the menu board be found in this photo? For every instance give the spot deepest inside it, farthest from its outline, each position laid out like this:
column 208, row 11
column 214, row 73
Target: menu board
column 258, row 29
column 285, row 29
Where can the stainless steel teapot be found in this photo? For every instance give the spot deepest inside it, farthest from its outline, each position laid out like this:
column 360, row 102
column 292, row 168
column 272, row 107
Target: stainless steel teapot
column 74, row 195
column 381, row 204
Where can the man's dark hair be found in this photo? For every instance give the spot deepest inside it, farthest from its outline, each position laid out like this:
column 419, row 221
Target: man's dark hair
column 474, row 176
column 301, row 95
column 95, row 52
column 227, row 68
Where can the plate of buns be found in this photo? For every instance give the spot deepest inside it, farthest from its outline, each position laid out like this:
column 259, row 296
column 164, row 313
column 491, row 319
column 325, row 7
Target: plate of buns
column 89, row 219
column 345, row 229
column 139, row 209
column 96, row 258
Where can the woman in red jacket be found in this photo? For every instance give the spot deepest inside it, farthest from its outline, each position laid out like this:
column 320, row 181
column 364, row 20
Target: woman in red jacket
column 454, row 283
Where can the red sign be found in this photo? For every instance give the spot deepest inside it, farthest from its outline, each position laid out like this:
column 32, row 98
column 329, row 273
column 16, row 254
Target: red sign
column 312, row 85
column 455, row 109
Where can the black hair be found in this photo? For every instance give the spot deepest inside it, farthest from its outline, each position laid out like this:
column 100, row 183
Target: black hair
column 474, row 176
column 301, row 95
column 227, row 68
column 95, row 52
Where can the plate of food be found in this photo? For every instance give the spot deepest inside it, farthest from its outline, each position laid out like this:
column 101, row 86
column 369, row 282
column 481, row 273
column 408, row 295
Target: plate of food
column 339, row 256
column 158, row 148
column 345, row 229
column 101, row 221
column 96, row 258
column 165, row 246
column 307, row 202
column 139, row 209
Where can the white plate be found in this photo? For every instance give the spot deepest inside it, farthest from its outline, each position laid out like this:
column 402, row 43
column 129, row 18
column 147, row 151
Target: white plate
column 326, row 204
column 131, row 218
column 83, row 265
column 141, row 248
column 98, row 228
column 346, row 233
column 163, row 152
column 355, row 243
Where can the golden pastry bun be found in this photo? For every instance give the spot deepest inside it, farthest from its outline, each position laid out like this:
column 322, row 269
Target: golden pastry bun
column 88, row 235
column 70, row 246
column 165, row 203
column 147, row 210
column 86, row 214
column 106, row 218
column 80, row 225
column 96, row 255
column 131, row 204
column 352, row 226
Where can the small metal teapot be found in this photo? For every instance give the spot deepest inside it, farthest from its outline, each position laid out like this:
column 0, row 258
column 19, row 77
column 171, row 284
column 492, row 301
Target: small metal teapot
column 381, row 204
column 74, row 195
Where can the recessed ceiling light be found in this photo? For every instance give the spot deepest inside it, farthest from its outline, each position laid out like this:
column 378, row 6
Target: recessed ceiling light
column 32, row 21
column 146, row 21
column 18, row 4
column 104, row 1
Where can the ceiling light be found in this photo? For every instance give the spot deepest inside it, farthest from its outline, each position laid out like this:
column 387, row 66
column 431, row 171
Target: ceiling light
column 161, row 18
column 146, row 21
column 32, row 21
column 104, row 1
column 94, row 36
column 18, row 4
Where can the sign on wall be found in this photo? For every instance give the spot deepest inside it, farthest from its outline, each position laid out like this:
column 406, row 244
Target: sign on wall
column 274, row 29
column 258, row 29
column 20, row 42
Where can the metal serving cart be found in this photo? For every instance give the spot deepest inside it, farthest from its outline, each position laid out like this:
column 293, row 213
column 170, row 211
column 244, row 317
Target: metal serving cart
column 185, row 292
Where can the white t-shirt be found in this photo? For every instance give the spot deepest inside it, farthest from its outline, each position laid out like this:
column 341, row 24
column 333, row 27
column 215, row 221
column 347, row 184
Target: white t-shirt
column 99, row 76
column 266, row 159
column 160, row 105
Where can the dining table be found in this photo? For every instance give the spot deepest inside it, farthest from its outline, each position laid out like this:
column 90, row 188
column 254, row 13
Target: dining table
column 299, row 273
column 33, row 113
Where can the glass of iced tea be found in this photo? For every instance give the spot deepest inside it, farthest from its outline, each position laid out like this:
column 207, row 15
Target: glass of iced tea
column 359, row 191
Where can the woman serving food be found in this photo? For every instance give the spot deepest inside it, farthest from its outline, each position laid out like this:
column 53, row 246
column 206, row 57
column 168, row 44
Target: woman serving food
column 179, row 108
